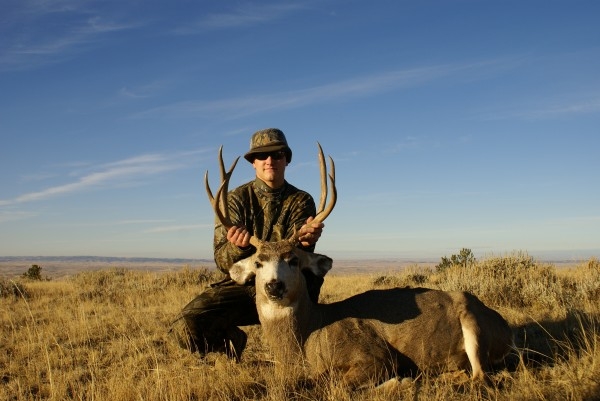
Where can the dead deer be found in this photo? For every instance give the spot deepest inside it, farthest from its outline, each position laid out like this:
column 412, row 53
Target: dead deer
column 369, row 337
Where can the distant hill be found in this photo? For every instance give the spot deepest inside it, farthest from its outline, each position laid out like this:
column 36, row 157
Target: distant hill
column 56, row 266
column 59, row 266
column 100, row 259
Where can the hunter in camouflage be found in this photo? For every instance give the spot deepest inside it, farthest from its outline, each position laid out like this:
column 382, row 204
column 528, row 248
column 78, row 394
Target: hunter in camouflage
column 268, row 208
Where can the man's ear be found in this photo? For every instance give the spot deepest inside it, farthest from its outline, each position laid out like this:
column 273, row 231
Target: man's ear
column 318, row 264
column 243, row 271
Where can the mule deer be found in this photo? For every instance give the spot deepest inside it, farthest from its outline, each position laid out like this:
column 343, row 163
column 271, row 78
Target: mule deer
column 369, row 337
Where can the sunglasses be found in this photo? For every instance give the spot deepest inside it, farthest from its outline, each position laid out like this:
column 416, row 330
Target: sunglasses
column 278, row 155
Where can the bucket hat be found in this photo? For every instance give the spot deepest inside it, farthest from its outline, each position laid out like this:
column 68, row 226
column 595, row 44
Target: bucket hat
column 268, row 140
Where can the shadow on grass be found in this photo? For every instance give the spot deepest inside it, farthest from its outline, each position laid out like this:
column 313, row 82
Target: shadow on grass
column 544, row 343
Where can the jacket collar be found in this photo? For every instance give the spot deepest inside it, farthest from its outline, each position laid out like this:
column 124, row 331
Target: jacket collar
column 266, row 192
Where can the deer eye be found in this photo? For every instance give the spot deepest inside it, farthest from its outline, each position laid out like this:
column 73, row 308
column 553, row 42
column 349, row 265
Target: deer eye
column 257, row 265
column 293, row 259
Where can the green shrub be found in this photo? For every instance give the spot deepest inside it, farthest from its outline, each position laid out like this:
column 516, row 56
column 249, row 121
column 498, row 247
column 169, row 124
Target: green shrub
column 465, row 258
column 33, row 273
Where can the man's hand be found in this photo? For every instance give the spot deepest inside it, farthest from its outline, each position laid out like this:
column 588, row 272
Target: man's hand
column 310, row 232
column 239, row 236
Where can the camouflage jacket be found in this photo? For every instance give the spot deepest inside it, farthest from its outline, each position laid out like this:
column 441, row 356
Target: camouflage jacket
column 268, row 214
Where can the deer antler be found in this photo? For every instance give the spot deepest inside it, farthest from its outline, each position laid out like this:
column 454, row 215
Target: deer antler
column 222, row 192
column 220, row 204
column 219, row 201
column 322, row 211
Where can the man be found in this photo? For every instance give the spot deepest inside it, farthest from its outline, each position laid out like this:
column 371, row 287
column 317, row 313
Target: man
column 269, row 208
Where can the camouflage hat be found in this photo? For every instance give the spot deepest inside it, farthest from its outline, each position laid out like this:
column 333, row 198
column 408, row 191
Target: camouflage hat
column 268, row 140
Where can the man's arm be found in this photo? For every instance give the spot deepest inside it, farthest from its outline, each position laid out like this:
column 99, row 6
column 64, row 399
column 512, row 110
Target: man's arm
column 303, row 212
column 227, row 253
column 310, row 233
column 231, row 246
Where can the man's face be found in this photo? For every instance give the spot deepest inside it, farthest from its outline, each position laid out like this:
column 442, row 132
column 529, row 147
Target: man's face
column 270, row 168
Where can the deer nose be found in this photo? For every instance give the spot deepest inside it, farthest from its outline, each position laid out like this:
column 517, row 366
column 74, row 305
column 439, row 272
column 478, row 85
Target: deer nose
column 275, row 289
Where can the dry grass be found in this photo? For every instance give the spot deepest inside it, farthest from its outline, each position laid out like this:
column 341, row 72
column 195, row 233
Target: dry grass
column 102, row 335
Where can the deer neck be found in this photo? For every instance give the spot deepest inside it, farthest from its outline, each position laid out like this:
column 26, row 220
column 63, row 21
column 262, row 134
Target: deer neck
column 286, row 327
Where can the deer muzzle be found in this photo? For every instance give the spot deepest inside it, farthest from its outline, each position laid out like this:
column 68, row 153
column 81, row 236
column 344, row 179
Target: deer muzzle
column 275, row 289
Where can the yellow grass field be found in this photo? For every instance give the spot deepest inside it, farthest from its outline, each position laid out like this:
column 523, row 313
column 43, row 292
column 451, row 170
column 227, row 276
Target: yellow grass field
column 103, row 335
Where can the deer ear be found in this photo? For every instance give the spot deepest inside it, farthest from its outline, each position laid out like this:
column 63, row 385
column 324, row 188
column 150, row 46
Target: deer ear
column 243, row 271
column 318, row 264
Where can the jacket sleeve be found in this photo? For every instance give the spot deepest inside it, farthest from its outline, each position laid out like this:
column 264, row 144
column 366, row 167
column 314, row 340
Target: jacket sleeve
column 303, row 208
column 226, row 253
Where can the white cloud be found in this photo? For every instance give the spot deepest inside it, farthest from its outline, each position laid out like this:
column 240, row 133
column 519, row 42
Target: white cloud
column 337, row 91
column 36, row 33
column 584, row 106
column 245, row 15
column 177, row 228
column 140, row 221
column 141, row 91
column 112, row 174
column 8, row 215
column 544, row 109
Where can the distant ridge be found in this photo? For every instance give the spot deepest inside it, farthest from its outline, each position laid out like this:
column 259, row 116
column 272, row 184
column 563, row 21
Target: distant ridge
column 57, row 266
column 102, row 259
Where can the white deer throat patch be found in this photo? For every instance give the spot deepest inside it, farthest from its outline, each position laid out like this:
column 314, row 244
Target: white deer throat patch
column 275, row 311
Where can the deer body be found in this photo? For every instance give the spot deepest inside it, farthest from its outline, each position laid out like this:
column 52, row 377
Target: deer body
column 368, row 337
column 375, row 335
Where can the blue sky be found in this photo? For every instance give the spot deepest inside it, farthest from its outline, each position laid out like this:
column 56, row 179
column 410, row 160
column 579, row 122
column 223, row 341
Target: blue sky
column 453, row 124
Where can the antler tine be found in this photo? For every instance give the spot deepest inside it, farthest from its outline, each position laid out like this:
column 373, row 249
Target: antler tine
column 219, row 202
column 221, row 164
column 223, row 217
column 323, row 169
column 225, row 176
column 323, row 214
column 215, row 202
column 211, row 198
